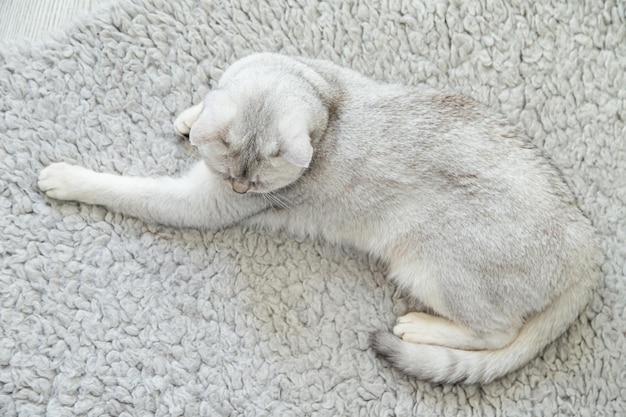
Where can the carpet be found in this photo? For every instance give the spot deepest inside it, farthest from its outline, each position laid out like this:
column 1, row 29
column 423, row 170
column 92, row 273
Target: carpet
column 104, row 315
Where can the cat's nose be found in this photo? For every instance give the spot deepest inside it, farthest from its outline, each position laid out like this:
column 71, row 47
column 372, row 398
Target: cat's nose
column 240, row 187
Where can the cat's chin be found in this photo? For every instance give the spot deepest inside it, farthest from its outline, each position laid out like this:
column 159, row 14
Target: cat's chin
column 261, row 190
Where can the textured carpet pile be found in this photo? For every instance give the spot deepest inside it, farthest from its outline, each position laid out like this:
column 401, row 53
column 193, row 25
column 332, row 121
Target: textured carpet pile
column 104, row 315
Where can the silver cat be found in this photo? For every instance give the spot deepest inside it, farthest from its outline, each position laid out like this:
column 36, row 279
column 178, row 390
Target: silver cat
column 470, row 218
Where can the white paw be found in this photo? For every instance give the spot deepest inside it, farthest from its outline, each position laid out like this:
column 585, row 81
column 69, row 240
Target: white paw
column 183, row 123
column 64, row 181
column 413, row 327
column 181, row 127
column 426, row 329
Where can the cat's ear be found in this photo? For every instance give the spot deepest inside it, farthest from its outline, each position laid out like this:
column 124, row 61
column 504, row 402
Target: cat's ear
column 214, row 120
column 296, row 147
column 298, row 150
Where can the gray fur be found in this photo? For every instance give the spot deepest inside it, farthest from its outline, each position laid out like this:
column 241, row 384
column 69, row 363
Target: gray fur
column 470, row 218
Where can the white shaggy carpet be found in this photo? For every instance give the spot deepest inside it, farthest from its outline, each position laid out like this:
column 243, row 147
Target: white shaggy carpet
column 103, row 315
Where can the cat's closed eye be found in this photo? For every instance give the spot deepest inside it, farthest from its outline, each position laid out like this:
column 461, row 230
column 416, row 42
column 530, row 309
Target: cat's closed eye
column 226, row 177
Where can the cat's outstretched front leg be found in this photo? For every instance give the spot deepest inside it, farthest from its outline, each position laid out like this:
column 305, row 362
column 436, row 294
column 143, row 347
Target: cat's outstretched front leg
column 183, row 122
column 198, row 199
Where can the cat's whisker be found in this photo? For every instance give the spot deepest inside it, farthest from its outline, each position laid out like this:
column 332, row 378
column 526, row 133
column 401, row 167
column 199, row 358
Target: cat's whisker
column 269, row 201
column 276, row 201
column 285, row 203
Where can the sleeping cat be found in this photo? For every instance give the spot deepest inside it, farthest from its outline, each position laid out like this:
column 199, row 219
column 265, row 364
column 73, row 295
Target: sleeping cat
column 469, row 217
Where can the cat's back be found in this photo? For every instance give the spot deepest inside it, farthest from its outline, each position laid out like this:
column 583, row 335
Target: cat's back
column 420, row 138
column 440, row 147
column 400, row 158
column 413, row 161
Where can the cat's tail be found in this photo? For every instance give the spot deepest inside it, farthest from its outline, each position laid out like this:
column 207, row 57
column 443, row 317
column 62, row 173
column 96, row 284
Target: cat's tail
column 446, row 365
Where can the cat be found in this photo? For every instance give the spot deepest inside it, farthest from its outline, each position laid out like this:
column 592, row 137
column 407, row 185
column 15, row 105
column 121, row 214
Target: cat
column 469, row 217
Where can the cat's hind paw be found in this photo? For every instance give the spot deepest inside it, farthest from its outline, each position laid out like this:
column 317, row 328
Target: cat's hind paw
column 422, row 328
column 417, row 327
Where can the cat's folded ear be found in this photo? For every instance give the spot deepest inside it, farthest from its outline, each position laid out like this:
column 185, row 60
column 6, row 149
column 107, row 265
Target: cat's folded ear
column 214, row 120
column 294, row 128
column 298, row 150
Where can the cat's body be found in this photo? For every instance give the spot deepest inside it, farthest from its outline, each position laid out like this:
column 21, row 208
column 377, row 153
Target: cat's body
column 470, row 218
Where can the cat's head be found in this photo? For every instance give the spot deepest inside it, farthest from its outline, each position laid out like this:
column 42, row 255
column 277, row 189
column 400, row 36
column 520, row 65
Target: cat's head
column 257, row 137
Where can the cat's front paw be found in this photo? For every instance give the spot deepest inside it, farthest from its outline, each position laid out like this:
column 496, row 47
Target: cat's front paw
column 63, row 181
column 183, row 123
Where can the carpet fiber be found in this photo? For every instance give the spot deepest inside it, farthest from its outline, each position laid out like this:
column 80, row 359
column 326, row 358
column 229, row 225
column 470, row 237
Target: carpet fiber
column 104, row 315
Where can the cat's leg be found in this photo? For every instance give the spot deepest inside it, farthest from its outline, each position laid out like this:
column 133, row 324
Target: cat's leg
column 198, row 199
column 183, row 122
column 472, row 325
column 432, row 330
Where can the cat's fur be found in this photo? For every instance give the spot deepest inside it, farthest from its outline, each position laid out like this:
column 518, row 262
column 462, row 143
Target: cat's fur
column 468, row 215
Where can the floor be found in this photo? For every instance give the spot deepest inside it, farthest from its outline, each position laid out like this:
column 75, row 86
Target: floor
column 31, row 19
